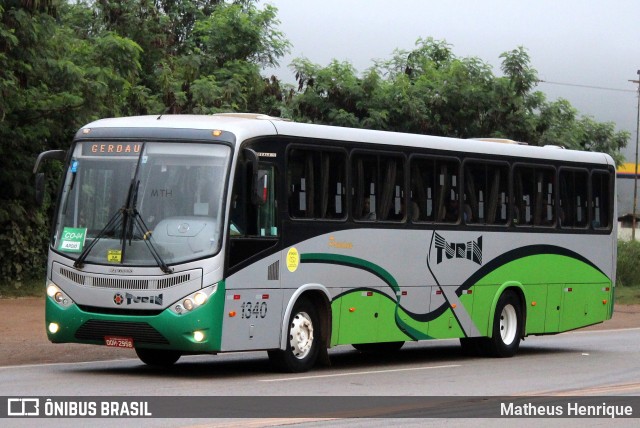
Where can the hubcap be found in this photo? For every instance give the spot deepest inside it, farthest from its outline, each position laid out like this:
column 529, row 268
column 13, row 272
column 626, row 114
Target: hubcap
column 508, row 324
column 301, row 335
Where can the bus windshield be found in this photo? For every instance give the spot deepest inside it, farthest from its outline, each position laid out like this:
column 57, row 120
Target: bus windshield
column 143, row 204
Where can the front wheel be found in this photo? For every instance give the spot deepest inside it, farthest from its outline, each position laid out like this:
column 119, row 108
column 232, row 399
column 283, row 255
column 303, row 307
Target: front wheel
column 303, row 342
column 158, row 357
column 507, row 325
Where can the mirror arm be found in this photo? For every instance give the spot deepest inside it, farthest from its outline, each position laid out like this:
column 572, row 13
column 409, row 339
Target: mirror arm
column 49, row 154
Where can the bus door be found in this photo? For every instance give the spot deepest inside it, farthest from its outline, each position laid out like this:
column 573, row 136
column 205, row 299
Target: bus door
column 253, row 301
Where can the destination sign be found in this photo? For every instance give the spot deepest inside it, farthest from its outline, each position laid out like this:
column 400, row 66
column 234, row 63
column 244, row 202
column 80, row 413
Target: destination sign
column 111, row 149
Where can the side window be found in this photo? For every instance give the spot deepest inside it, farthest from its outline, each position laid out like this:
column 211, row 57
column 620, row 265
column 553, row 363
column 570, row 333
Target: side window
column 378, row 187
column 253, row 222
column 434, row 195
column 486, row 193
column 573, row 198
column 248, row 218
column 601, row 206
column 316, row 183
column 266, row 213
column 534, row 196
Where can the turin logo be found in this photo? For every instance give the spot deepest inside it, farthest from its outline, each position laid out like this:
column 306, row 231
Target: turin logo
column 471, row 250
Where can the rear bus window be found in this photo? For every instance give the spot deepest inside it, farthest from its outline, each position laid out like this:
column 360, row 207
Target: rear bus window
column 601, row 200
column 574, row 194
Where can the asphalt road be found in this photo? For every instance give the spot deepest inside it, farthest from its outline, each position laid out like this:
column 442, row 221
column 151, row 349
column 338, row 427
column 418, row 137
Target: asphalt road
column 582, row 363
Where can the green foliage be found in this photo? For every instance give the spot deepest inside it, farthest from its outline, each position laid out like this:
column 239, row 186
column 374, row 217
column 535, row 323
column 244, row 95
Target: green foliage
column 65, row 63
column 431, row 91
column 628, row 268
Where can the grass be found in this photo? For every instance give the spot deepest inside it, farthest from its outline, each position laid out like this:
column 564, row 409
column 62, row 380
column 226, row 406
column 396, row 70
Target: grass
column 627, row 295
column 26, row 288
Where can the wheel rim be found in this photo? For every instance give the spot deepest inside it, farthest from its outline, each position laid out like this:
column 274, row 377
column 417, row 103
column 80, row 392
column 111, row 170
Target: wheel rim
column 301, row 335
column 508, row 324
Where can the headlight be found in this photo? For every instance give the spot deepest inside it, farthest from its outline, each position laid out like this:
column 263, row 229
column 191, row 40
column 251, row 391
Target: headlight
column 200, row 298
column 193, row 301
column 58, row 295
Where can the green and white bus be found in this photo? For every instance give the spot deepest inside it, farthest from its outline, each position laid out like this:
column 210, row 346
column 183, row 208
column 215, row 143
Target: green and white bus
column 183, row 234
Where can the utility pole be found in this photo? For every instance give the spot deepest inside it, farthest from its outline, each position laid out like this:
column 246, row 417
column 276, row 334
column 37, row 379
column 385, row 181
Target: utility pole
column 635, row 177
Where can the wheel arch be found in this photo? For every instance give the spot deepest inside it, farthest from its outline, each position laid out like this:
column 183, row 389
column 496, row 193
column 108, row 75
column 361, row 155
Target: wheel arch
column 517, row 288
column 320, row 297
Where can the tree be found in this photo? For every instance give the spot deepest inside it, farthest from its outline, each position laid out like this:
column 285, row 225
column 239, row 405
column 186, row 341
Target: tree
column 63, row 64
column 51, row 83
column 431, row 91
column 199, row 56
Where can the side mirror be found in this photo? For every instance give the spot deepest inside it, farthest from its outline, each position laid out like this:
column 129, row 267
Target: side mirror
column 50, row 154
column 39, row 188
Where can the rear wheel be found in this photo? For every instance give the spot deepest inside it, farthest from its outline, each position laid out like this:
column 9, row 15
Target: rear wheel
column 303, row 342
column 158, row 357
column 507, row 325
column 379, row 348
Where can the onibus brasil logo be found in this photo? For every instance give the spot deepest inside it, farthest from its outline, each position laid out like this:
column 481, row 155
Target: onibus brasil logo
column 471, row 250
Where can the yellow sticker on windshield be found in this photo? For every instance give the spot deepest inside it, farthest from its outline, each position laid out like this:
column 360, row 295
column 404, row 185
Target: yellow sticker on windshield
column 114, row 256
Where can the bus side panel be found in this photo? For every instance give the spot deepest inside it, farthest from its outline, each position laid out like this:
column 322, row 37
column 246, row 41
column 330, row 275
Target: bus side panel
column 556, row 273
column 584, row 304
column 553, row 307
column 484, row 297
column 252, row 319
column 535, row 296
column 367, row 316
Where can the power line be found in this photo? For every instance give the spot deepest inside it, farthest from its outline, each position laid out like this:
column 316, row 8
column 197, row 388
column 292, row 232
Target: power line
column 602, row 88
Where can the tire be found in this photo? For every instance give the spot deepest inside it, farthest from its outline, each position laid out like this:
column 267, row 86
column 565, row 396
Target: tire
column 158, row 357
column 507, row 327
column 303, row 342
column 379, row 348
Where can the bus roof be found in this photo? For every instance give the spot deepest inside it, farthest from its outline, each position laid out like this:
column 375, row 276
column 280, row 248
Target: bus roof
column 245, row 125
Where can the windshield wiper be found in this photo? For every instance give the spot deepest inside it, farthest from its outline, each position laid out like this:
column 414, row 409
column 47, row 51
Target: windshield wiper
column 109, row 227
column 132, row 220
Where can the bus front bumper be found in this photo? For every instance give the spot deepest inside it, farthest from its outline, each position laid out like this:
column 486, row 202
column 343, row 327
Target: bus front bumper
column 198, row 331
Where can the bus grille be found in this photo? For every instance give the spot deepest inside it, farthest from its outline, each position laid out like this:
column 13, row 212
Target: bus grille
column 122, row 284
column 115, row 282
column 141, row 332
column 73, row 276
column 170, row 282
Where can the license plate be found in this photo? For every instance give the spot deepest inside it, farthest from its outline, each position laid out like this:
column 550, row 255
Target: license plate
column 118, row 342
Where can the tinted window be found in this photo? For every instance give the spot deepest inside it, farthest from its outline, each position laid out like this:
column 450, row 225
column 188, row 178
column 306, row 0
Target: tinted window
column 434, row 193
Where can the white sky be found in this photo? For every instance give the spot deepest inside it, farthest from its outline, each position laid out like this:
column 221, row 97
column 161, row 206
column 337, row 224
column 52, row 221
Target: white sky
column 586, row 42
